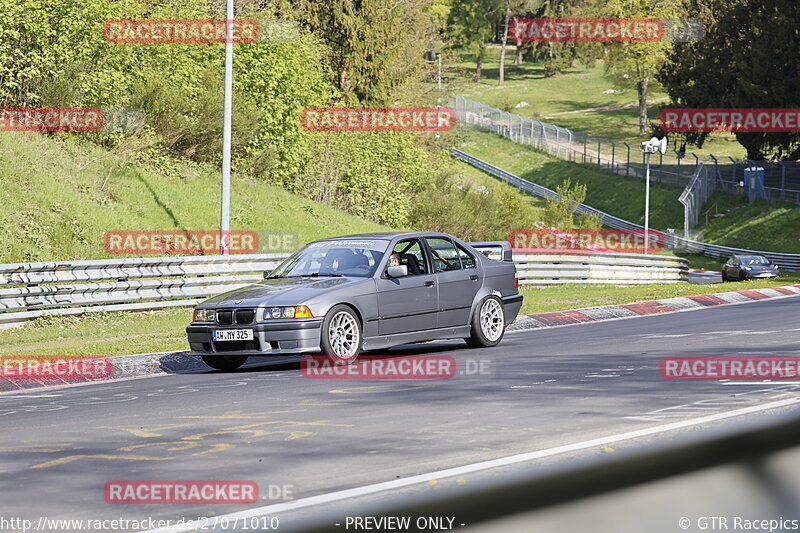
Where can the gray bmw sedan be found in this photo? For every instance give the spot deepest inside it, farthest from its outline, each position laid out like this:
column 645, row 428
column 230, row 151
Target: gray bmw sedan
column 362, row 292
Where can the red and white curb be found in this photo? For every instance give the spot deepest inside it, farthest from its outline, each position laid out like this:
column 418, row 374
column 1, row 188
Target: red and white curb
column 131, row 366
column 652, row 307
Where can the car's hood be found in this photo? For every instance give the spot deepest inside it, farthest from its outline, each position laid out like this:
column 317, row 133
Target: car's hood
column 760, row 268
column 280, row 291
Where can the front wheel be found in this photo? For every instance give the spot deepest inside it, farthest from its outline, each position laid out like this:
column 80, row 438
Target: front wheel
column 224, row 362
column 488, row 323
column 341, row 334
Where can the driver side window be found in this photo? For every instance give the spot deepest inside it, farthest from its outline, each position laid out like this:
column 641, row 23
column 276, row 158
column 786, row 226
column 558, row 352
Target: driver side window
column 412, row 256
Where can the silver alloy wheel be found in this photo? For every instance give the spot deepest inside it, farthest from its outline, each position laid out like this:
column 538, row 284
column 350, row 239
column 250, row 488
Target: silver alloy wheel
column 343, row 335
column 491, row 318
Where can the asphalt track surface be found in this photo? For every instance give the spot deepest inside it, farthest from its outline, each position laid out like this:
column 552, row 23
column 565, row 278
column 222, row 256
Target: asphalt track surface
column 538, row 390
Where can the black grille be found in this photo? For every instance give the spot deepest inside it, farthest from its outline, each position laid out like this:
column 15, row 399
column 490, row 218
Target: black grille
column 245, row 316
column 225, row 317
column 236, row 346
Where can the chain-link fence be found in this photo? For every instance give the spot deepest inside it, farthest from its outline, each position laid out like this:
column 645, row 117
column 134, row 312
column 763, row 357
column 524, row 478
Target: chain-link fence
column 695, row 195
column 781, row 179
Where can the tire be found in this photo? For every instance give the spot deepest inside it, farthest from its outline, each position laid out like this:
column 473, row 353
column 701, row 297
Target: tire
column 724, row 279
column 224, row 362
column 488, row 323
column 341, row 334
column 742, row 276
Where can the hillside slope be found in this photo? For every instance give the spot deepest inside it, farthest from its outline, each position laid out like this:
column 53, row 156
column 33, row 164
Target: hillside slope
column 60, row 196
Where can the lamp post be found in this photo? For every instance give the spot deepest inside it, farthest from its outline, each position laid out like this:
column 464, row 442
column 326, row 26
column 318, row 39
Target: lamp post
column 225, row 207
column 653, row 146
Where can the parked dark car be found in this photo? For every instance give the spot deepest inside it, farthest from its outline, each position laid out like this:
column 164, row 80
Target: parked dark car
column 743, row 267
column 362, row 292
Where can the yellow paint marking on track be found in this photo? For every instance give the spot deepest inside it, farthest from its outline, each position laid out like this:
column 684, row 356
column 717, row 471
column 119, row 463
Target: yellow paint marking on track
column 178, row 445
column 70, row 458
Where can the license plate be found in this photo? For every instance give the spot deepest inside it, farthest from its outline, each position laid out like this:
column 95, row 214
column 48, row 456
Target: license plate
column 233, row 335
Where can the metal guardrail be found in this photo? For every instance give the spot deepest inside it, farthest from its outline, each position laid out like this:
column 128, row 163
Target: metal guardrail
column 786, row 261
column 599, row 268
column 33, row 290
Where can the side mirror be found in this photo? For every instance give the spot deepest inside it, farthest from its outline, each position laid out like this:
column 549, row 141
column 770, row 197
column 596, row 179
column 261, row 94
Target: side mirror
column 398, row 271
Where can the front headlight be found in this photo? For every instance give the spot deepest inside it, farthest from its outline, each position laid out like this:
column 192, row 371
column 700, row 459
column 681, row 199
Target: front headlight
column 300, row 311
column 204, row 315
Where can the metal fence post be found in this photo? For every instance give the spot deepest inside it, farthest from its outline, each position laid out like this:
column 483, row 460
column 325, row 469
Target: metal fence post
column 628, row 160
column 585, row 139
column 598, row 151
column 783, row 180
column 613, row 155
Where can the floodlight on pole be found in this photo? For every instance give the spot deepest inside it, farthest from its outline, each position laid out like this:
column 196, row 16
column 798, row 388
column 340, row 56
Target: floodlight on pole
column 439, row 71
column 225, row 207
column 653, row 146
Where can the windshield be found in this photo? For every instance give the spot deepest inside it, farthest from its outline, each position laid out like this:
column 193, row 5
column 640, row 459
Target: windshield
column 334, row 258
column 748, row 260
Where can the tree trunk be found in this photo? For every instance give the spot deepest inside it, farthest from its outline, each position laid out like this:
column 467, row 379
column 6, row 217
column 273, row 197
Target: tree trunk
column 477, row 77
column 641, row 88
column 518, row 54
column 503, row 45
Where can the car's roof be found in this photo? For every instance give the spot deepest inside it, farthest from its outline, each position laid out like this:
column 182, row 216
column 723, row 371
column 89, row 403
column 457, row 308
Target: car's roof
column 388, row 235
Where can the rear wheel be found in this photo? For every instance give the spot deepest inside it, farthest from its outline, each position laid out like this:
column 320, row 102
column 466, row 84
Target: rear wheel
column 224, row 362
column 341, row 334
column 488, row 323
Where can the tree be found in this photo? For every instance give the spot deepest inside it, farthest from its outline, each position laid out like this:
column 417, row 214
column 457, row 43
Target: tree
column 471, row 25
column 377, row 46
column 747, row 59
column 639, row 62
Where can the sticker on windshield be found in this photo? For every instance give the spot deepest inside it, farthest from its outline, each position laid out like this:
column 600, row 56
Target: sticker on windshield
column 370, row 245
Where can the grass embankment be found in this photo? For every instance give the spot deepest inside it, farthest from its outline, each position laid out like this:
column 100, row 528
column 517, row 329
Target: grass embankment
column 61, row 196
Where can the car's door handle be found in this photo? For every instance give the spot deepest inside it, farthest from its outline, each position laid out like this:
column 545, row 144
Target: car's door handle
column 473, row 277
column 430, row 283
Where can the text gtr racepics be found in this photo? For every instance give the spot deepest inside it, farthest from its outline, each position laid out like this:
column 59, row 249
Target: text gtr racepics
column 362, row 292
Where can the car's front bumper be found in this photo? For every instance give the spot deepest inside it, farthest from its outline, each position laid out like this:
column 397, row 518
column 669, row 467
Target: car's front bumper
column 762, row 275
column 269, row 338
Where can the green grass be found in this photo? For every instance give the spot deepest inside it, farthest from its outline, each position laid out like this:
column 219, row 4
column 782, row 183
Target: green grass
column 578, row 91
column 575, row 296
column 56, row 210
column 117, row 333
